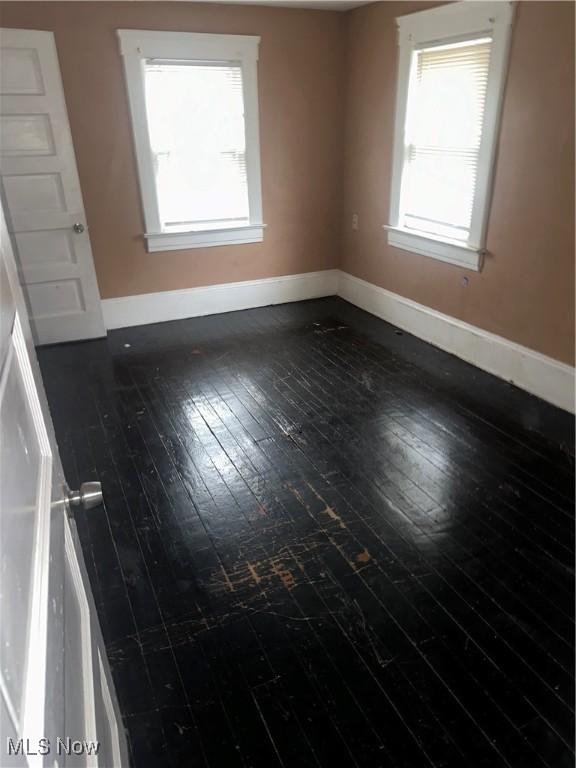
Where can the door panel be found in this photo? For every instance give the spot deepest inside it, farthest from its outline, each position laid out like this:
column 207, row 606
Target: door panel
column 27, row 196
column 43, row 252
column 55, row 298
column 42, row 193
column 20, row 71
column 22, row 135
column 20, row 457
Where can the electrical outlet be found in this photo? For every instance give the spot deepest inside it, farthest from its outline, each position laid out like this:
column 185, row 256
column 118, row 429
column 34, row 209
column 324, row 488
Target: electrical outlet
column 354, row 221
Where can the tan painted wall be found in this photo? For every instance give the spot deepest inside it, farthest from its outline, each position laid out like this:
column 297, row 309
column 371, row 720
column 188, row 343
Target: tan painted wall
column 301, row 126
column 321, row 72
column 526, row 289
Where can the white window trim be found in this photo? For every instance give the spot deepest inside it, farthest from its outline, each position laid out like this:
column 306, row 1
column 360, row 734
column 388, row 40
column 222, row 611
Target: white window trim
column 417, row 30
column 136, row 46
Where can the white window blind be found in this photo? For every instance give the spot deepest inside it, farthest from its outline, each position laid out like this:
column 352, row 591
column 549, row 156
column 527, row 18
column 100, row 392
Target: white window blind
column 444, row 122
column 197, row 135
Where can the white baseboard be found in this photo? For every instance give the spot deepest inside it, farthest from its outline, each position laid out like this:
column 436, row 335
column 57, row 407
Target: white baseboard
column 550, row 379
column 543, row 376
column 214, row 299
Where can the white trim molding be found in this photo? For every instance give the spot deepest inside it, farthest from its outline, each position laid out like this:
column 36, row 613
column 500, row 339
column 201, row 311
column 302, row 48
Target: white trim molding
column 538, row 374
column 141, row 46
column 214, row 299
column 451, row 252
column 174, row 241
column 449, row 24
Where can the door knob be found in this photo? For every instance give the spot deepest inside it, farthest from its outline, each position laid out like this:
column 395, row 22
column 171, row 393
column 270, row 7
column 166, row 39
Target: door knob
column 78, row 228
column 88, row 497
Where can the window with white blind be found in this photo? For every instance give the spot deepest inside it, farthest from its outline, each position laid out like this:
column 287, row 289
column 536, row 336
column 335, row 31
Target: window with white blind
column 451, row 76
column 193, row 99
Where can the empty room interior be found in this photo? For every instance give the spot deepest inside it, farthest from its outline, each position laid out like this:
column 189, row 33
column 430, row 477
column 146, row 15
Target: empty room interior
column 287, row 384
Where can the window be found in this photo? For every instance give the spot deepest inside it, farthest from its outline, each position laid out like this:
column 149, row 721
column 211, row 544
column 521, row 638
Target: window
column 451, row 77
column 194, row 105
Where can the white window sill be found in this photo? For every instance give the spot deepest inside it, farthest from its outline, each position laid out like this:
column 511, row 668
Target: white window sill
column 208, row 238
column 444, row 250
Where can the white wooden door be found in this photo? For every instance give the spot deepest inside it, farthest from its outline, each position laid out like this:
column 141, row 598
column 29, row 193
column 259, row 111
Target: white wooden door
column 56, row 694
column 41, row 192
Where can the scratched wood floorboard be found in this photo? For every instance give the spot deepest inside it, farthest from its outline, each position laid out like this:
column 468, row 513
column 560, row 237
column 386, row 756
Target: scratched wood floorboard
column 323, row 543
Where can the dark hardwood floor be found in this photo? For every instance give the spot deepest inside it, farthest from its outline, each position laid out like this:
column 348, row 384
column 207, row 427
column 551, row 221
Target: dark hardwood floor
column 324, row 543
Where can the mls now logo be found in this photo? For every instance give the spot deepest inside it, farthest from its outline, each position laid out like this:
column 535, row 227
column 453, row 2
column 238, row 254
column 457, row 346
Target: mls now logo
column 66, row 746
